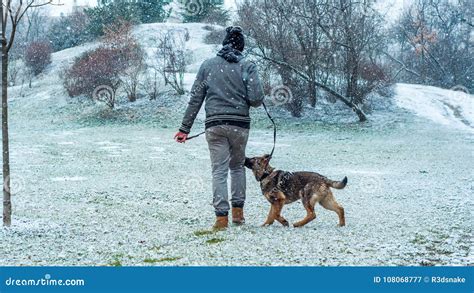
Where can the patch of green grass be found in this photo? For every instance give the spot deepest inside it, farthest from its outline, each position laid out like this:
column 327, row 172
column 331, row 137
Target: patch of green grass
column 115, row 262
column 441, row 235
column 157, row 260
column 419, row 239
column 215, row 240
column 155, row 247
column 169, row 259
column 200, row 233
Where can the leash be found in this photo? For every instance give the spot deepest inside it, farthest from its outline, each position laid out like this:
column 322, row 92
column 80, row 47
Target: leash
column 274, row 129
column 269, row 117
column 194, row 136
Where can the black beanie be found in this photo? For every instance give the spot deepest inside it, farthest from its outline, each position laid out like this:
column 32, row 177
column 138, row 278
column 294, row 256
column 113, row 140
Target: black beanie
column 235, row 38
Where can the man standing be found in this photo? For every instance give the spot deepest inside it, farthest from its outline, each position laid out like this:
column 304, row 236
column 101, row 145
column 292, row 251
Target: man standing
column 229, row 85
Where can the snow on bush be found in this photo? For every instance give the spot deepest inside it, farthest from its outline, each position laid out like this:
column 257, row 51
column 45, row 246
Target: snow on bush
column 93, row 69
column 38, row 56
column 116, row 62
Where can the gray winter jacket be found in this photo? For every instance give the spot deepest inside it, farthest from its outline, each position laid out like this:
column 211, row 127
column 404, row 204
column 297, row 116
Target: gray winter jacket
column 229, row 85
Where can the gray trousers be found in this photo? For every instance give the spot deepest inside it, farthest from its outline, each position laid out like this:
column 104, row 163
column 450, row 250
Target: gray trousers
column 227, row 145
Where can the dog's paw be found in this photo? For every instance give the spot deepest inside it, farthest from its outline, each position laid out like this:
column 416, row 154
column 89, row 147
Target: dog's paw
column 285, row 223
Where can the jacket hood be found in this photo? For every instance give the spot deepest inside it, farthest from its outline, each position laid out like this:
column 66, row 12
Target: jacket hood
column 230, row 54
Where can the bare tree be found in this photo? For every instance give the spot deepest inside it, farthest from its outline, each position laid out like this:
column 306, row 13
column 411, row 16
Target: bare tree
column 32, row 28
column 14, row 71
column 12, row 13
column 316, row 44
column 153, row 83
column 357, row 33
column 434, row 41
column 130, row 77
column 172, row 59
column 119, row 36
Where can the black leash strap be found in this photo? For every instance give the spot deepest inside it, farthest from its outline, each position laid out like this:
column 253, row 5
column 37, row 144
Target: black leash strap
column 194, row 136
column 274, row 129
column 269, row 117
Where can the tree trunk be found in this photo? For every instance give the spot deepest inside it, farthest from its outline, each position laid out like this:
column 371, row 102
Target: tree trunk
column 7, row 205
column 354, row 107
column 353, row 88
column 352, row 69
column 312, row 91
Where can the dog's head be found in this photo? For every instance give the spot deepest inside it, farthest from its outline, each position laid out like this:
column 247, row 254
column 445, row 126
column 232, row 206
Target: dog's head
column 259, row 166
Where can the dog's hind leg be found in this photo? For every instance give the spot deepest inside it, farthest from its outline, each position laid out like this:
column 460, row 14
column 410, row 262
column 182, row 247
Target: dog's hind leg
column 311, row 196
column 310, row 214
column 330, row 203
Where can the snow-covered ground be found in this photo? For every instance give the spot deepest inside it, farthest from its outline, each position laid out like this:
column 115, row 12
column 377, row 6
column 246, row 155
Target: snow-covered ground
column 446, row 107
column 99, row 187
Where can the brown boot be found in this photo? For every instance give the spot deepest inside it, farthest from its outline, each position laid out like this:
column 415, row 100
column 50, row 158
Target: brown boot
column 238, row 216
column 221, row 223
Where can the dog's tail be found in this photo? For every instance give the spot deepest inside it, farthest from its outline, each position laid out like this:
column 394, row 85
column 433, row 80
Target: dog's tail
column 338, row 184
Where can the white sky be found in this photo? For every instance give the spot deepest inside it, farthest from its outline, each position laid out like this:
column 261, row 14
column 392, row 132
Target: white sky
column 393, row 7
column 67, row 5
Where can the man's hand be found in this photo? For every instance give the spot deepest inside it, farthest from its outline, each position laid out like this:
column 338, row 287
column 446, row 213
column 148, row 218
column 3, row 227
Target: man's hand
column 181, row 137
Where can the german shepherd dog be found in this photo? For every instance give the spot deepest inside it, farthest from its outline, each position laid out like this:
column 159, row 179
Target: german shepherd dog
column 280, row 188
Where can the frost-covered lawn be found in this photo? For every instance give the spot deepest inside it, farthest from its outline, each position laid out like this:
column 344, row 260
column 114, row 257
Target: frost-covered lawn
column 109, row 195
column 99, row 187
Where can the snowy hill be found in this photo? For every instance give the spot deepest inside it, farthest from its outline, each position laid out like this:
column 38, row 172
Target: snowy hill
column 47, row 100
column 198, row 51
column 446, row 107
column 148, row 36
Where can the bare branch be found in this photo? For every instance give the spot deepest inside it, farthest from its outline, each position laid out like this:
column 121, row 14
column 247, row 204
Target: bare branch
column 404, row 67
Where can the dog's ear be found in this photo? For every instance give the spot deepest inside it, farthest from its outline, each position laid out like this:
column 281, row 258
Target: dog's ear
column 248, row 163
column 265, row 162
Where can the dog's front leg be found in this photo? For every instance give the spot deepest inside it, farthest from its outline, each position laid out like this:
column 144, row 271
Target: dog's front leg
column 278, row 207
column 271, row 217
column 278, row 201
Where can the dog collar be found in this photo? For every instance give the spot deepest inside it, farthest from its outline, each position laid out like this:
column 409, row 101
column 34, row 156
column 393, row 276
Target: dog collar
column 264, row 175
